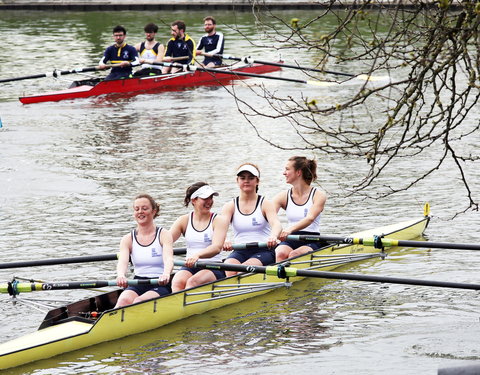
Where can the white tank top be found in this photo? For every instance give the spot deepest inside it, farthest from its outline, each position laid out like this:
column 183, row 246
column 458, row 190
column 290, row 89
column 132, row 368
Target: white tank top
column 199, row 240
column 296, row 212
column 253, row 227
column 150, row 54
column 147, row 260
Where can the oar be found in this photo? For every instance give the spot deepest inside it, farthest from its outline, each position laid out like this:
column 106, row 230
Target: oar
column 249, row 60
column 179, row 58
column 13, row 288
column 380, row 242
column 81, row 259
column 55, row 73
column 282, row 272
column 193, row 68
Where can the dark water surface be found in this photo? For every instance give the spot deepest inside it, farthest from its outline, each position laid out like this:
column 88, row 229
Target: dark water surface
column 69, row 170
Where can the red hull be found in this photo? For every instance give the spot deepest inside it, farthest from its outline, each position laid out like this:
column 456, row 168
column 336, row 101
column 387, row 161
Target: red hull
column 155, row 83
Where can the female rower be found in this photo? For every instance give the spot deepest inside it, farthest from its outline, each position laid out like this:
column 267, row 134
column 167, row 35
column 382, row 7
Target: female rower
column 204, row 234
column 151, row 250
column 303, row 205
column 253, row 219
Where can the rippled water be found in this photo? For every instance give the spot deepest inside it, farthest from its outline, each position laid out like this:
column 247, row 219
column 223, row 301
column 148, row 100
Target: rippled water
column 69, row 170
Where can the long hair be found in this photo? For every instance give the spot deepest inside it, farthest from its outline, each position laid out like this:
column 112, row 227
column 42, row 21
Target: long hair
column 307, row 166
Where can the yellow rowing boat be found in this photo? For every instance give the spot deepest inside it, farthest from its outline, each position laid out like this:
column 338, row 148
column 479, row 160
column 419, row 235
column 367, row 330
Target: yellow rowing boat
column 94, row 320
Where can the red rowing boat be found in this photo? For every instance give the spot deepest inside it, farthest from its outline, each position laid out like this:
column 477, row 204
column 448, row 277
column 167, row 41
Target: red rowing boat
column 175, row 81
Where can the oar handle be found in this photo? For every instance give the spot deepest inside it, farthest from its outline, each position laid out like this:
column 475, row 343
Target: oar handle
column 249, row 245
column 14, row 288
column 179, row 58
column 202, row 264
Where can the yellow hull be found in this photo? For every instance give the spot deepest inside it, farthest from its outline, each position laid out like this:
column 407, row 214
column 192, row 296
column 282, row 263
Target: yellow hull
column 75, row 332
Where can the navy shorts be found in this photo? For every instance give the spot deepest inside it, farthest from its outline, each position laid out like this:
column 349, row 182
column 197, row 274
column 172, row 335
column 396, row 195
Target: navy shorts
column 296, row 244
column 209, row 60
column 265, row 256
column 219, row 274
column 161, row 290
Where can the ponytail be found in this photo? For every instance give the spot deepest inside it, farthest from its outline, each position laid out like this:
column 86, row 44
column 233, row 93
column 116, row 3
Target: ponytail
column 307, row 166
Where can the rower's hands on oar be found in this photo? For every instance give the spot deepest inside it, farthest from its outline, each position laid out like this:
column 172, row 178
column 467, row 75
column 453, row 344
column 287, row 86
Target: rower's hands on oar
column 164, row 279
column 227, row 246
column 284, row 233
column 272, row 242
column 190, row 261
column 122, row 281
column 122, row 64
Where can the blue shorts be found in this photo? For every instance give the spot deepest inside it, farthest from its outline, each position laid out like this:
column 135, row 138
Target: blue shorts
column 161, row 290
column 219, row 274
column 265, row 256
column 296, row 244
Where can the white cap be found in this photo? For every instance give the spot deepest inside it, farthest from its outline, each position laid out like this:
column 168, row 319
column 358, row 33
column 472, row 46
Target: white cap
column 204, row 192
column 249, row 168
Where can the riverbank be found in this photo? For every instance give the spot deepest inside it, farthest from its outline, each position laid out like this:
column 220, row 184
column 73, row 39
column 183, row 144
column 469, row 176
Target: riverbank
column 168, row 5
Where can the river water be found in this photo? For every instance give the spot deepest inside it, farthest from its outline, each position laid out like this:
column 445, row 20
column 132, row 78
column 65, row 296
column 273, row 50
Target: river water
column 69, row 171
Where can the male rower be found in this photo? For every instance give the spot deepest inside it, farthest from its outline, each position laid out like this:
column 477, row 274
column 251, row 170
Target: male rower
column 150, row 51
column 180, row 45
column 212, row 42
column 121, row 54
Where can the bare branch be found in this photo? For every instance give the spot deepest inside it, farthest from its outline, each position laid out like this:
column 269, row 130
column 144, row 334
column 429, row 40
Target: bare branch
column 426, row 110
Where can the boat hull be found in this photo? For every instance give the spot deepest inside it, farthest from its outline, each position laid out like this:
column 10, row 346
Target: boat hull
column 168, row 82
column 70, row 328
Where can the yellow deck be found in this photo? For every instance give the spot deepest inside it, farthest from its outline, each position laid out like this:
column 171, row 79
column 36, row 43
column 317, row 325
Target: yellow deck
column 49, row 334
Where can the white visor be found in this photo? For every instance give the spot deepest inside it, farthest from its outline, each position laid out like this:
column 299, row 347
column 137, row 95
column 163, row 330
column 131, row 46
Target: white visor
column 249, row 168
column 204, row 192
